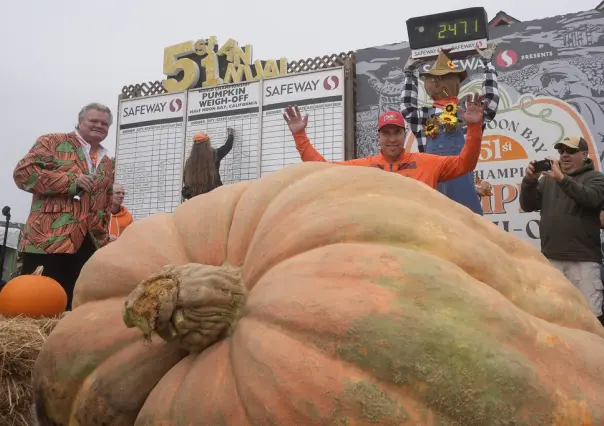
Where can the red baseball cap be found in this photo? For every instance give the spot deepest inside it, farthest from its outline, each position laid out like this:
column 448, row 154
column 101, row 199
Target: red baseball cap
column 391, row 117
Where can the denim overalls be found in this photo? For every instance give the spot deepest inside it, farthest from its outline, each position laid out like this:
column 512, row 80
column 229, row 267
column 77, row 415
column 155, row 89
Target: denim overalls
column 461, row 189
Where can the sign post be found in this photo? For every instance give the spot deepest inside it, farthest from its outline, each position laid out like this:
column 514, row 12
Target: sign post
column 459, row 32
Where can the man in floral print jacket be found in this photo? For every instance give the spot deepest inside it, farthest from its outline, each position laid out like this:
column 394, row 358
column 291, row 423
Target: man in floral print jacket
column 70, row 176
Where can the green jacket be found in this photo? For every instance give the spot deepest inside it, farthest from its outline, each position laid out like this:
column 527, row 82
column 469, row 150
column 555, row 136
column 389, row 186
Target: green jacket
column 570, row 213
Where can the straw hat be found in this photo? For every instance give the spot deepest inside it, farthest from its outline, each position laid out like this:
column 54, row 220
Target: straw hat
column 443, row 66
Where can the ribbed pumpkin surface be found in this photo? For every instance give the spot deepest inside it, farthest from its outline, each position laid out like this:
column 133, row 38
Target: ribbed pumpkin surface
column 370, row 299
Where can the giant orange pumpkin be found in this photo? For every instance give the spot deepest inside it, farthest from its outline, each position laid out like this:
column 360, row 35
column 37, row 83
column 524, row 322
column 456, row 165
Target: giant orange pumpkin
column 33, row 295
column 322, row 294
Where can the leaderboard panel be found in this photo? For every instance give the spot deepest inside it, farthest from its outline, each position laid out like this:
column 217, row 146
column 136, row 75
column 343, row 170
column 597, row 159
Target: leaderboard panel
column 320, row 95
column 155, row 134
column 149, row 152
column 235, row 106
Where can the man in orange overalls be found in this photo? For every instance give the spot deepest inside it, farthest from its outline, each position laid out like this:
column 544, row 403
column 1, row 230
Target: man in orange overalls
column 427, row 168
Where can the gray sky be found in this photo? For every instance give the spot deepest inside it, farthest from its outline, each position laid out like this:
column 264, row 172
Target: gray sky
column 59, row 55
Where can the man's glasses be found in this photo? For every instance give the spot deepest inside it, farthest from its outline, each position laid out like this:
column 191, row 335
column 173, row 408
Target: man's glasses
column 568, row 150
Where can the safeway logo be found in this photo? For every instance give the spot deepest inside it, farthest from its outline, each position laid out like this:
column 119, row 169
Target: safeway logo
column 175, row 105
column 331, row 83
column 507, row 58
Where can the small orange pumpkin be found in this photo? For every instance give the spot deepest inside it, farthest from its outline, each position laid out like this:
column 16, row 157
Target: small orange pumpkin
column 33, row 296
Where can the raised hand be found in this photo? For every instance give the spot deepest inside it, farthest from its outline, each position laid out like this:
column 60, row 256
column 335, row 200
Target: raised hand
column 474, row 109
column 230, row 131
column 295, row 121
column 487, row 52
column 412, row 63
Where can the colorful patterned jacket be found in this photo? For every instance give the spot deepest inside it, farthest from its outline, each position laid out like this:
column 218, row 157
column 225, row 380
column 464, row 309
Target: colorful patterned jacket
column 57, row 223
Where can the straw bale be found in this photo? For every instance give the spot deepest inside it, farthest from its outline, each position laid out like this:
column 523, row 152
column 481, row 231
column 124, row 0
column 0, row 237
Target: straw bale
column 21, row 339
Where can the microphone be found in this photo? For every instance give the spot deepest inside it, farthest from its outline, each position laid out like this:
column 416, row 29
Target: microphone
column 6, row 213
column 81, row 192
column 78, row 196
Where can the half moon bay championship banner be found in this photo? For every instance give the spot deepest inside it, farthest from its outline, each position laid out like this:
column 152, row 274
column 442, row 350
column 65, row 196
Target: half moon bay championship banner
column 551, row 79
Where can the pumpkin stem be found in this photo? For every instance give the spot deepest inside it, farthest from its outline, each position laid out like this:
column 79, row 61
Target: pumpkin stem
column 38, row 270
column 194, row 303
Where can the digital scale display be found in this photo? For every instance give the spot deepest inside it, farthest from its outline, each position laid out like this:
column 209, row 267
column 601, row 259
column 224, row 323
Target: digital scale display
column 458, row 31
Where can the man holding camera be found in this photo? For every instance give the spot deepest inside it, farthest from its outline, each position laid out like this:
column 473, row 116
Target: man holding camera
column 569, row 196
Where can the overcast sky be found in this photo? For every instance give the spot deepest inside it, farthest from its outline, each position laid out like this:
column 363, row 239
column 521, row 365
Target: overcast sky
column 58, row 55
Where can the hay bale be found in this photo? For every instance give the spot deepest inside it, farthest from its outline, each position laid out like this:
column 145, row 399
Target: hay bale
column 21, row 339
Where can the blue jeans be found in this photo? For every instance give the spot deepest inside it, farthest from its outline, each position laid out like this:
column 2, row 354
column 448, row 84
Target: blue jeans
column 461, row 189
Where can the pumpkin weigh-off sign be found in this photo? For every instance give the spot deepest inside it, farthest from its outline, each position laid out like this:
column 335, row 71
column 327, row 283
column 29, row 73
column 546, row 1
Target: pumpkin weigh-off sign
column 387, row 304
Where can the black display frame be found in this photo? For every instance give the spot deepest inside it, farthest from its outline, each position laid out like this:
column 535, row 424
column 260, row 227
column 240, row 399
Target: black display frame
column 417, row 40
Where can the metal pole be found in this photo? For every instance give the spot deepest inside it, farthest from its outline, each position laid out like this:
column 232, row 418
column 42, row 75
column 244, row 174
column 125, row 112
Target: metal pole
column 6, row 214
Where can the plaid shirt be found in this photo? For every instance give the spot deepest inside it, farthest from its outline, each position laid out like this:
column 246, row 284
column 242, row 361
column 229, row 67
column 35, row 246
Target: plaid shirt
column 416, row 116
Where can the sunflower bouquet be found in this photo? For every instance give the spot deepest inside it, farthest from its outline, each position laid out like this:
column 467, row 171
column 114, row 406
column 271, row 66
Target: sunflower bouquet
column 447, row 121
column 432, row 126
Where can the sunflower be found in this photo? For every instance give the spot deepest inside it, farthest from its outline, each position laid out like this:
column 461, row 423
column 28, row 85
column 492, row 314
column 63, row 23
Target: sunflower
column 451, row 65
column 451, row 109
column 431, row 129
column 448, row 119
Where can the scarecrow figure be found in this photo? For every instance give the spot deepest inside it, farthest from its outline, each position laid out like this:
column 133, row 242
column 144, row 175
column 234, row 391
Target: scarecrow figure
column 439, row 128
